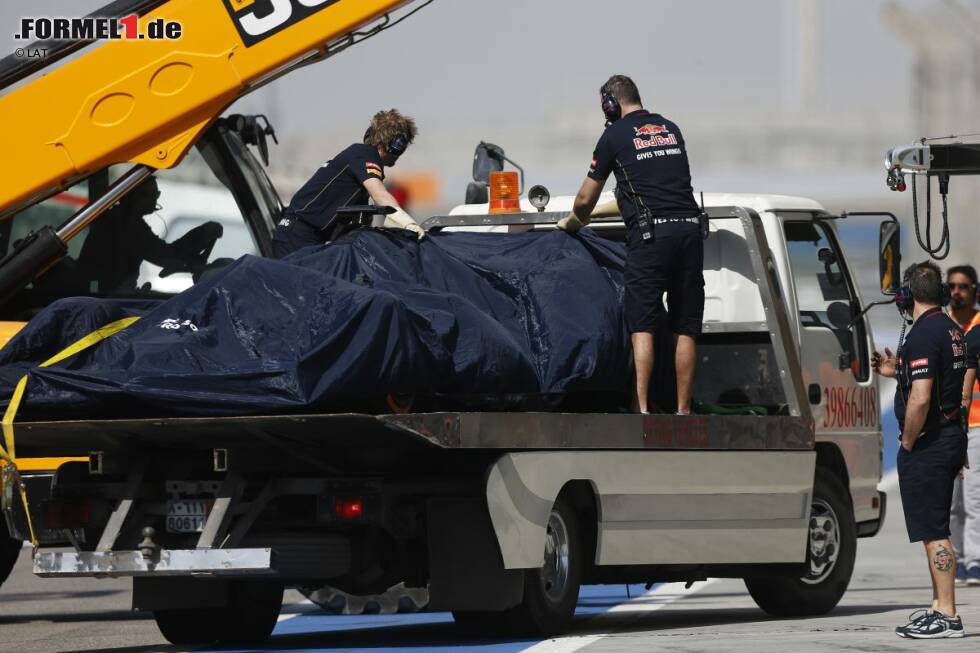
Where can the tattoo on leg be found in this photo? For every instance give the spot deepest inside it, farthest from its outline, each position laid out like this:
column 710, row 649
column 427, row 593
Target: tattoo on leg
column 943, row 559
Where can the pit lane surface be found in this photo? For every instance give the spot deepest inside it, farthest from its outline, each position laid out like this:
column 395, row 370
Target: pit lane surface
column 890, row 580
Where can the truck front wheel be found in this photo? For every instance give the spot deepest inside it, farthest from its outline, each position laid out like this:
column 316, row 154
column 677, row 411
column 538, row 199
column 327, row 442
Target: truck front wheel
column 249, row 617
column 831, row 549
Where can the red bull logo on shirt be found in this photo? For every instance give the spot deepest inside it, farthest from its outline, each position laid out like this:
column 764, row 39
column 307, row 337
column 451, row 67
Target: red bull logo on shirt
column 652, row 136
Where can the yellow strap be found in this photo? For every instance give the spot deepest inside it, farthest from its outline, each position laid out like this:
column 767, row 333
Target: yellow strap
column 8, row 451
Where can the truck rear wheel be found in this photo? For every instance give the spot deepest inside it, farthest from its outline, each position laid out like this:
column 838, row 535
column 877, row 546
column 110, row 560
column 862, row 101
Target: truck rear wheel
column 9, row 550
column 249, row 617
column 831, row 549
column 550, row 593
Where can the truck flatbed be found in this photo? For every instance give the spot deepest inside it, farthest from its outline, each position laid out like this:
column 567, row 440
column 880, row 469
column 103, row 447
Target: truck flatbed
column 477, row 430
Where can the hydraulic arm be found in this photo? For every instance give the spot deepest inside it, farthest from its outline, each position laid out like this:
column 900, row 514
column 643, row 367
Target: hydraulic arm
column 146, row 101
column 922, row 158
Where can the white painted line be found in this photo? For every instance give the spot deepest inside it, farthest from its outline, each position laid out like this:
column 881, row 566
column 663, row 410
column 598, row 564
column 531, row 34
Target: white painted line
column 889, row 482
column 649, row 602
column 300, row 608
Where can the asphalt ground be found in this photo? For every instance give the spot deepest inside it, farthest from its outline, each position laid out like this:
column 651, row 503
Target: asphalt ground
column 890, row 581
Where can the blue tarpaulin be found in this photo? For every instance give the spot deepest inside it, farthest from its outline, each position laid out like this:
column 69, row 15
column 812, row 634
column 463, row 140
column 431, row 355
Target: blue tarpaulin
column 488, row 321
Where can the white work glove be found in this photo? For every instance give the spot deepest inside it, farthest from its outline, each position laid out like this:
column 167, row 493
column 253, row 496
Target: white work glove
column 402, row 220
column 570, row 223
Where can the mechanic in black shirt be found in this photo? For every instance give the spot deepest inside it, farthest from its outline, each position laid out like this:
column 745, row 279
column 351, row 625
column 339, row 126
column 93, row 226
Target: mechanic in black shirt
column 665, row 252
column 930, row 368
column 348, row 179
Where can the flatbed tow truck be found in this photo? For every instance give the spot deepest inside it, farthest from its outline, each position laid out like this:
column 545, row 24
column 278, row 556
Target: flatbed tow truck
column 500, row 517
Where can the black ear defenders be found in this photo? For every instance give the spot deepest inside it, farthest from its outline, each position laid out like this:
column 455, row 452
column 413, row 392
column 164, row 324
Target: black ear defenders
column 396, row 146
column 611, row 108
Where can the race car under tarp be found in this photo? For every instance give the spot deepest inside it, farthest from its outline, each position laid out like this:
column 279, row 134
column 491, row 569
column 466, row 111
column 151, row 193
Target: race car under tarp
column 373, row 322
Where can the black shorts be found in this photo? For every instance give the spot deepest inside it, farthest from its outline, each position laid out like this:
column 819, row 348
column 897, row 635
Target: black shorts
column 925, row 479
column 291, row 235
column 672, row 263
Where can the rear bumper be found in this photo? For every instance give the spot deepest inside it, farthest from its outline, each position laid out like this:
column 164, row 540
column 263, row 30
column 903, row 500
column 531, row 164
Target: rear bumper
column 871, row 528
column 175, row 562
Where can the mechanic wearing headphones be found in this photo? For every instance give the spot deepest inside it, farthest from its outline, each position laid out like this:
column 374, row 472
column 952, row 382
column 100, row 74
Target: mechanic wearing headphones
column 346, row 180
column 930, row 368
column 664, row 229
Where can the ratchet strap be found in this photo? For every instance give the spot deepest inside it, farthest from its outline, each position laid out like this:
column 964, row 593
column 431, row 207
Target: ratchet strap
column 8, row 450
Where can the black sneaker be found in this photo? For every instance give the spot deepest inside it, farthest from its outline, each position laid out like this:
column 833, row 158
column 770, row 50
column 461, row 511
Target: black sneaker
column 973, row 575
column 914, row 619
column 935, row 626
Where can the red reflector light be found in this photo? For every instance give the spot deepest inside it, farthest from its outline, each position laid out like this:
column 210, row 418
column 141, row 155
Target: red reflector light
column 68, row 514
column 349, row 509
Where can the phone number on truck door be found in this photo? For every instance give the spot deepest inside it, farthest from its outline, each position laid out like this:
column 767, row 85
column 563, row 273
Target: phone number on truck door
column 850, row 407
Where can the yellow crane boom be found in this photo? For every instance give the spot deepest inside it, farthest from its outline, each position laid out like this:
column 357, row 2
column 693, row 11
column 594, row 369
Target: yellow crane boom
column 146, row 101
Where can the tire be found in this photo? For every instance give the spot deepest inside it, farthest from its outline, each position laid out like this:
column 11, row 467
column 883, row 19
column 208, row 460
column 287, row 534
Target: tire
column 187, row 627
column 831, row 529
column 484, row 623
column 9, row 550
column 248, row 619
column 550, row 593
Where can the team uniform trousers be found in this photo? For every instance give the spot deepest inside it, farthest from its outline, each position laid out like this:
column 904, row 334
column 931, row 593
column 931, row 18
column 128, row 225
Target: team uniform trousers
column 672, row 263
column 925, row 479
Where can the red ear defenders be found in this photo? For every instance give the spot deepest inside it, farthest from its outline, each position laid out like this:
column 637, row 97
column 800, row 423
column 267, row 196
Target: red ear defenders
column 905, row 303
column 903, row 300
column 611, row 108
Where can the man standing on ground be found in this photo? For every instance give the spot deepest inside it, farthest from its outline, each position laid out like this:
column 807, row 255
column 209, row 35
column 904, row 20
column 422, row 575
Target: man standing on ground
column 930, row 368
column 965, row 518
column 665, row 252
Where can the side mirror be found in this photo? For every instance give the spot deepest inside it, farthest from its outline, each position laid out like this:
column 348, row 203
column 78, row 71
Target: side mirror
column 840, row 315
column 889, row 257
column 253, row 131
column 477, row 193
column 487, row 158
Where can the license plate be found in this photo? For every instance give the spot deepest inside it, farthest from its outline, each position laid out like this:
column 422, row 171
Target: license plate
column 187, row 516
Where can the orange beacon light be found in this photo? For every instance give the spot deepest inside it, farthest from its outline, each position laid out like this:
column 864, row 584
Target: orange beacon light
column 504, row 192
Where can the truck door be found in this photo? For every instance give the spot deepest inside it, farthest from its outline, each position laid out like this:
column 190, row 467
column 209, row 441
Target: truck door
column 835, row 356
column 224, row 148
